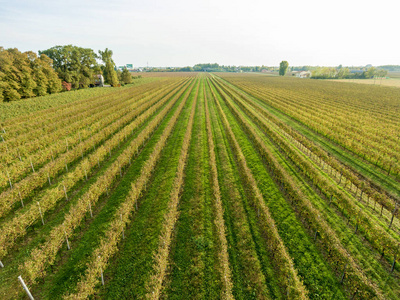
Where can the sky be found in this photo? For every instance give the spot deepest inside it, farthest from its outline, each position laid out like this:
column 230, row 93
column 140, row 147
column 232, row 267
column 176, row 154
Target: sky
column 181, row 33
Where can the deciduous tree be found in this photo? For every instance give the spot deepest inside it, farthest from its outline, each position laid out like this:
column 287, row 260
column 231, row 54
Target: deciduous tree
column 110, row 75
column 283, row 67
column 126, row 76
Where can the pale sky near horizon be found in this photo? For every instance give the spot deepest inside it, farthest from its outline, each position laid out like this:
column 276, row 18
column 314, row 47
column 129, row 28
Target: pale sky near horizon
column 229, row 32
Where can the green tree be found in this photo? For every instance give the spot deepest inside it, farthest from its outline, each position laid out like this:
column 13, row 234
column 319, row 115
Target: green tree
column 283, row 67
column 371, row 72
column 21, row 61
column 53, row 82
column 9, row 77
column 119, row 75
column 75, row 65
column 343, row 73
column 110, row 75
column 126, row 76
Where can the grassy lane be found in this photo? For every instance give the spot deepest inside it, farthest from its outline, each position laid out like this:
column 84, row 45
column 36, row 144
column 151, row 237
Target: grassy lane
column 226, row 274
column 194, row 262
column 37, row 234
column 252, row 274
column 73, row 263
column 129, row 271
column 346, row 157
column 155, row 285
column 316, row 274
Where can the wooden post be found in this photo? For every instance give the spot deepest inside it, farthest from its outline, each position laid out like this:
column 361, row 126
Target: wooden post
column 52, row 156
column 393, row 213
column 66, row 238
column 25, row 287
column 66, row 165
column 1, row 264
column 315, row 235
column 80, row 140
column 102, row 277
column 66, row 141
column 9, row 180
column 98, row 161
column 20, row 197
column 32, row 165
column 40, row 211
column 86, row 174
column 48, row 177
column 90, row 209
column 19, row 155
column 65, row 191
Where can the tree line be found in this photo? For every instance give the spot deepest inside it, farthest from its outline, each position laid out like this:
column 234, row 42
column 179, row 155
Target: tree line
column 26, row 74
column 345, row 73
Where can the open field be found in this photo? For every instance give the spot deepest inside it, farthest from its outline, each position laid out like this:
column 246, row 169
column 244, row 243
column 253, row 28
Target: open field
column 392, row 82
column 394, row 74
column 203, row 186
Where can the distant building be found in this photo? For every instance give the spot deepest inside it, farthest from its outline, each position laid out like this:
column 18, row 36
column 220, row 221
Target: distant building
column 301, row 74
column 98, row 80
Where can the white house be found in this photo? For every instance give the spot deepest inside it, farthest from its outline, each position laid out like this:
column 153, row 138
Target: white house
column 302, row 74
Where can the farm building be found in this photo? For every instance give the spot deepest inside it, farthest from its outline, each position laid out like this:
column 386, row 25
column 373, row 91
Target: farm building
column 302, row 74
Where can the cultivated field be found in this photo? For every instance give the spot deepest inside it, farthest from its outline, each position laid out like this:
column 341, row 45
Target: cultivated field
column 203, row 186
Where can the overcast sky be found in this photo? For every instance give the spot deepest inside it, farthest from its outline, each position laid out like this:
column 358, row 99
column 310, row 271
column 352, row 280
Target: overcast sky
column 229, row 32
